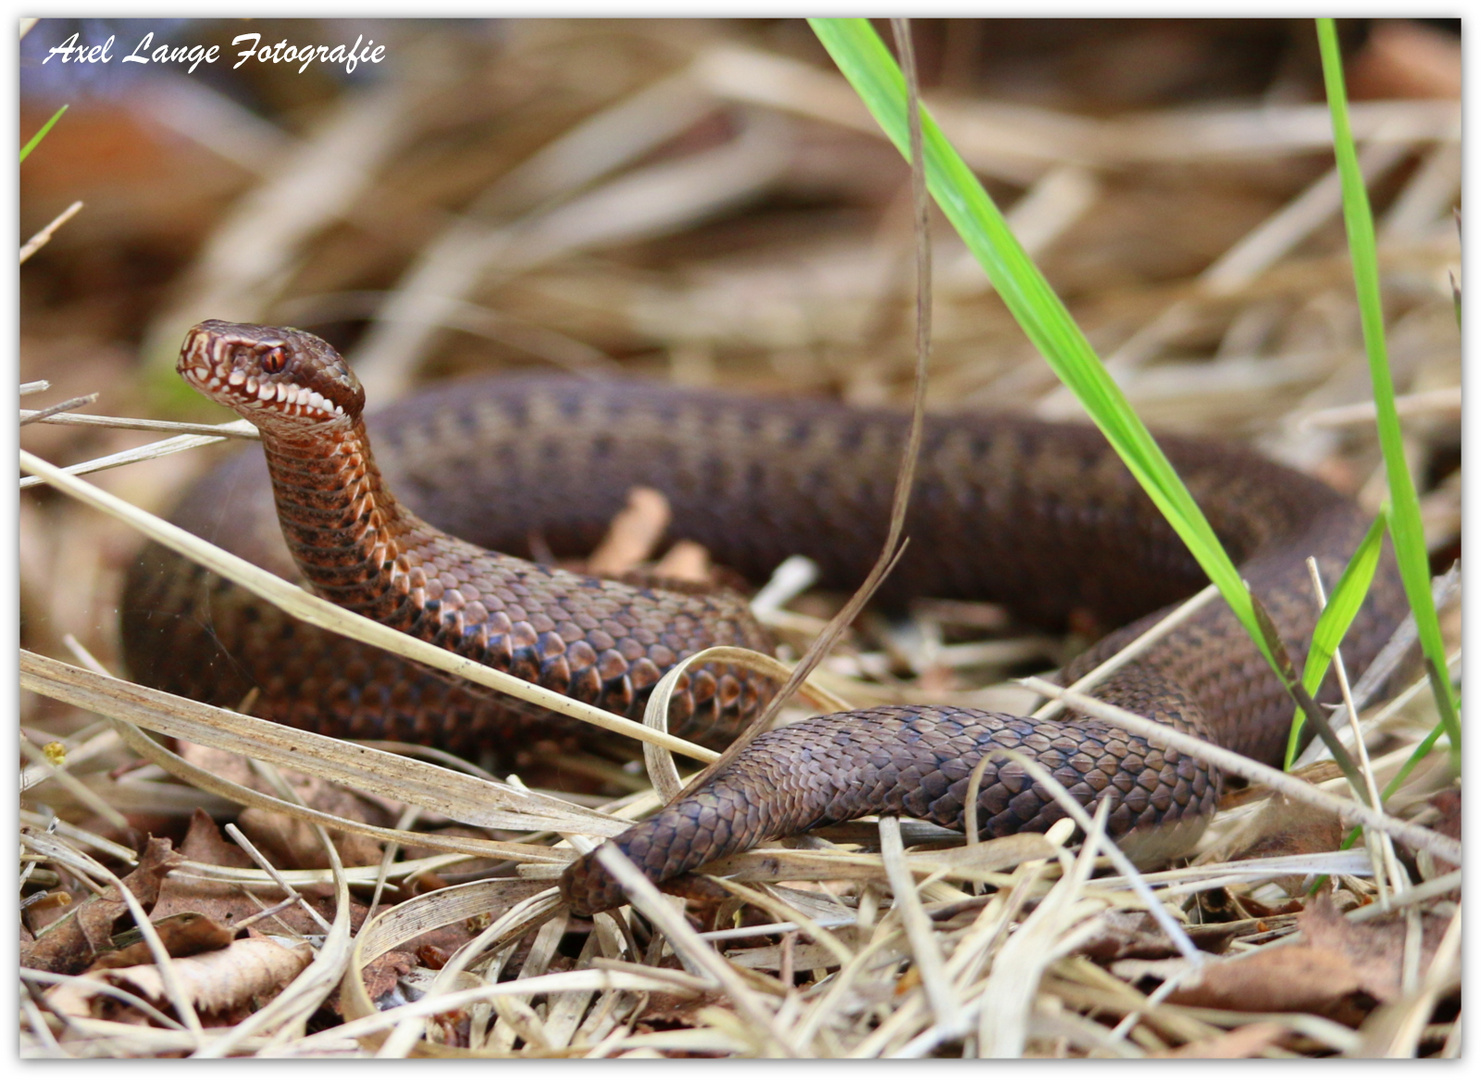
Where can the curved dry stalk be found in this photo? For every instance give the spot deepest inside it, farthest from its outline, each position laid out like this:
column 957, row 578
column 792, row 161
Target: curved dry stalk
column 662, row 771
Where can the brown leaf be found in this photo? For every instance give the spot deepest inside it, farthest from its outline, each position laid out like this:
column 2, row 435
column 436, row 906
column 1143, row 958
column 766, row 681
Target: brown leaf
column 69, row 945
column 293, row 844
column 1286, row 827
column 1338, row 960
column 1443, row 815
column 382, row 974
column 1447, row 805
column 1292, row 978
column 1136, row 934
column 232, row 903
column 677, row 1010
column 1403, row 59
column 225, row 903
column 1316, row 773
column 1242, row 1042
column 633, row 535
column 689, row 562
column 433, row 956
column 238, row 977
column 204, row 843
column 184, row 934
column 1375, row 948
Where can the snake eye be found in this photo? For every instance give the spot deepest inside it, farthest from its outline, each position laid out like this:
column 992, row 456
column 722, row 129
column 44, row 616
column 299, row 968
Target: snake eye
column 274, row 360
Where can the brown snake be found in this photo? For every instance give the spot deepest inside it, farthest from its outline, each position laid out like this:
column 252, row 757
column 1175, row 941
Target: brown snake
column 1041, row 517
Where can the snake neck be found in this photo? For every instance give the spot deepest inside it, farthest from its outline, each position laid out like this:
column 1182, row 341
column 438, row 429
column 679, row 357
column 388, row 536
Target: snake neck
column 348, row 535
column 597, row 641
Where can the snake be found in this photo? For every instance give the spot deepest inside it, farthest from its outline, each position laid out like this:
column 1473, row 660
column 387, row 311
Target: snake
column 451, row 531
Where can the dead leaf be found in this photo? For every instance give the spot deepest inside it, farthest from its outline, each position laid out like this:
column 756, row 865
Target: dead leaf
column 204, row 843
column 687, row 561
column 1338, row 960
column 1291, row 978
column 293, row 844
column 1136, row 934
column 1403, row 59
column 665, row 1012
column 1318, row 772
column 1242, row 1042
column 227, row 903
column 1375, row 948
column 69, row 945
column 183, row 934
column 633, row 536
column 1280, row 827
column 1443, row 815
column 239, row 977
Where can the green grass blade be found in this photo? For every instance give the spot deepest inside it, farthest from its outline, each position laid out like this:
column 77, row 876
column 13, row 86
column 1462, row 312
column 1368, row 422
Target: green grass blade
column 1342, row 607
column 35, row 139
column 868, row 65
column 1420, row 752
column 1403, row 516
column 1424, row 747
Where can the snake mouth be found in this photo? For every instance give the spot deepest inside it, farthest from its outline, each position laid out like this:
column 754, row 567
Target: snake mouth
column 257, row 373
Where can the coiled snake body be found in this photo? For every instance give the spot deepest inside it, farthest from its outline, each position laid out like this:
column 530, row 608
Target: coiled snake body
column 1041, row 517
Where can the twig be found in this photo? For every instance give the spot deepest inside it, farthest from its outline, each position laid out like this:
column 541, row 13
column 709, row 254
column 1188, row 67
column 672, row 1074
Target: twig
column 1417, row 404
column 31, row 416
column 37, row 242
column 236, row 429
column 1385, row 847
column 272, row 871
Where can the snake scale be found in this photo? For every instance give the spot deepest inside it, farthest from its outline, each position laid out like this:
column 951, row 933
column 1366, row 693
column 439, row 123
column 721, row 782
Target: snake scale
column 1040, row 517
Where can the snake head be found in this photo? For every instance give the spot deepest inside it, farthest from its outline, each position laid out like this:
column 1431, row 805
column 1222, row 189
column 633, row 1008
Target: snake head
column 270, row 374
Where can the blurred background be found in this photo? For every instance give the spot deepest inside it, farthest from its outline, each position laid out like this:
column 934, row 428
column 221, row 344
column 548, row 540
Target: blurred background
column 707, row 202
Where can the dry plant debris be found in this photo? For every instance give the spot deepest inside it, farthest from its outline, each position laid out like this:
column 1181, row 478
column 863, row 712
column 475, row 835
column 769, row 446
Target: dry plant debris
column 707, row 202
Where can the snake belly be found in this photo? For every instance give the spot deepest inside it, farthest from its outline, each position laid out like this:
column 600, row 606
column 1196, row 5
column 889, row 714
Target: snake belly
column 428, row 533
